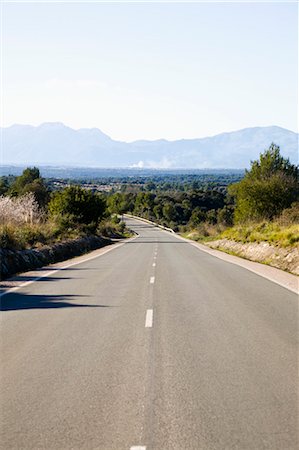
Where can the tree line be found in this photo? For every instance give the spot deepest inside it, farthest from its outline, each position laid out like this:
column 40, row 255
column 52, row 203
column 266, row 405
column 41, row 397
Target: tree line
column 266, row 189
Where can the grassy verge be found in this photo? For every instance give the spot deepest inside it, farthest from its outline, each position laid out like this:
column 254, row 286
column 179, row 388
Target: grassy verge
column 275, row 233
column 112, row 229
column 248, row 241
column 21, row 237
column 271, row 232
column 204, row 232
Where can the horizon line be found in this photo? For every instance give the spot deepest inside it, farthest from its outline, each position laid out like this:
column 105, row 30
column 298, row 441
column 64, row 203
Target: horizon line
column 145, row 139
column 137, row 169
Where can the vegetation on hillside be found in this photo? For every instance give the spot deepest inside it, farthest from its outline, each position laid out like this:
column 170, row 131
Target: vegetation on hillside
column 32, row 216
column 260, row 206
column 270, row 186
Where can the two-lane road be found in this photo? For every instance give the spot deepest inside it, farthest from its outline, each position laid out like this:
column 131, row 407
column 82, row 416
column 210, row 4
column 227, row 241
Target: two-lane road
column 154, row 344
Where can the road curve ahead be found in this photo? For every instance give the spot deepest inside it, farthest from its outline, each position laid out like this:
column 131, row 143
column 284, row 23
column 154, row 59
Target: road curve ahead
column 154, row 345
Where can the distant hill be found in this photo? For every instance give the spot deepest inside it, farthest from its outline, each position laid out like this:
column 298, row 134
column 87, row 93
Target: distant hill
column 57, row 144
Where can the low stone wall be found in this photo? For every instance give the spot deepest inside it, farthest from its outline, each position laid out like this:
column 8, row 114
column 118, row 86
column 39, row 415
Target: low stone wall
column 282, row 258
column 16, row 261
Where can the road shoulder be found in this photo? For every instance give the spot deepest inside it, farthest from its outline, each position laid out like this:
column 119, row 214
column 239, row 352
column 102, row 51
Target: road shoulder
column 23, row 279
column 280, row 277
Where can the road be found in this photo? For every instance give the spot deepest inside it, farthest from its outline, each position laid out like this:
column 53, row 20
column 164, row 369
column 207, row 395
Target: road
column 154, row 345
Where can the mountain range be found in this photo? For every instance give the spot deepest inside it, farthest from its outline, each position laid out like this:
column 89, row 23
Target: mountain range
column 57, row 144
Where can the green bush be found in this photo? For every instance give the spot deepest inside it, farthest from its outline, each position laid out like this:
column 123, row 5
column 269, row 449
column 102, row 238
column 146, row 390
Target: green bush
column 19, row 237
column 109, row 228
column 74, row 205
column 270, row 186
column 30, row 181
column 7, row 237
column 289, row 215
column 272, row 232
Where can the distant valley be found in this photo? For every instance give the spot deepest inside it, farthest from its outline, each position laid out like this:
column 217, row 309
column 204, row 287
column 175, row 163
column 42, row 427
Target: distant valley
column 57, row 144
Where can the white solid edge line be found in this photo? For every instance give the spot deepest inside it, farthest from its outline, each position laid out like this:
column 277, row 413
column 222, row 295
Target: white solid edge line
column 241, row 262
column 152, row 280
column 149, row 318
column 52, row 272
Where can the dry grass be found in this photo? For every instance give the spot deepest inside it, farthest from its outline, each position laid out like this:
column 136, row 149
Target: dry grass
column 204, row 232
column 19, row 237
column 271, row 232
column 283, row 231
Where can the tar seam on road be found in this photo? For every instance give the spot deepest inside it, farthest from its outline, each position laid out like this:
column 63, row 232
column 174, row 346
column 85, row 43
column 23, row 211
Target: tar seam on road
column 149, row 318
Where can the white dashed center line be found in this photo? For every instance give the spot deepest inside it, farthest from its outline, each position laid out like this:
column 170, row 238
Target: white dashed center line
column 152, row 280
column 154, row 264
column 138, row 447
column 149, row 318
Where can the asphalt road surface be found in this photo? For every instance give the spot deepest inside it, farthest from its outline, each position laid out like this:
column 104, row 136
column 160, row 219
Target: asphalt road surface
column 154, row 345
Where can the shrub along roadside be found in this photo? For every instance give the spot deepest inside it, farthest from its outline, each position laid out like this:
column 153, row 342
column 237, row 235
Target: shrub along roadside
column 273, row 233
column 266, row 205
column 71, row 213
column 282, row 231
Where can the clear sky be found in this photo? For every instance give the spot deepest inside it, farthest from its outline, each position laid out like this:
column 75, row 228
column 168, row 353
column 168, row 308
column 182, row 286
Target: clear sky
column 142, row 70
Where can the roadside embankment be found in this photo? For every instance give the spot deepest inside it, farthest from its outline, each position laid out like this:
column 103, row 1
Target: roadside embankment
column 285, row 258
column 276, row 273
column 16, row 261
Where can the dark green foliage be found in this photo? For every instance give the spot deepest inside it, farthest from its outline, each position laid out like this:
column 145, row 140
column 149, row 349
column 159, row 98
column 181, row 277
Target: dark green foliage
column 211, row 217
column 155, row 181
column 270, row 186
column 290, row 215
column 197, row 217
column 225, row 216
column 169, row 212
column 172, row 208
column 74, row 205
column 30, row 181
column 4, row 186
column 119, row 204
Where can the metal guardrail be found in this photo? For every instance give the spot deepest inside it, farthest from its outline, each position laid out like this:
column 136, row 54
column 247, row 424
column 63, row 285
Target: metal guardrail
column 151, row 222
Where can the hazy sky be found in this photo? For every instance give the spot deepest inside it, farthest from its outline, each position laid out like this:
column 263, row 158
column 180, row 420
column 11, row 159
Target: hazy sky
column 141, row 70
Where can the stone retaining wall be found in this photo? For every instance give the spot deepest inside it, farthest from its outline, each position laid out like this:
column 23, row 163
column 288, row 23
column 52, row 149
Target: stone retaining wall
column 16, row 261
column 282, row 258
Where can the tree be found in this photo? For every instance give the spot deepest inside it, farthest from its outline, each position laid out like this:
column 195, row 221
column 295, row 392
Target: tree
column 4, row 186
column 116, row 203
column 225, row 215
column 83, row 206
column 270, row 186
column 120, row 202
column 30, row 181
column 19, row 210
column 169, row 212
column 198, row 216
